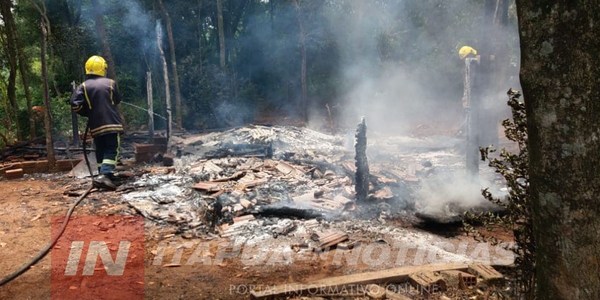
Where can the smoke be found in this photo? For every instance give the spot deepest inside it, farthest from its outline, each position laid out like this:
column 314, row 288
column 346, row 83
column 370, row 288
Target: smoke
column 448, row 195
column 134, row 35
column 400, row 66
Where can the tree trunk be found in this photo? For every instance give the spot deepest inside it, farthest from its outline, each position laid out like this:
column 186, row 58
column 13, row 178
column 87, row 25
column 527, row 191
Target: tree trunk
column 47, row 115
column 200, row 29
column 221, row 33
column 559, row 76
column 303, row 79
column 178, row 108
column 101, row 29
column 165, row 77
column 11, row 49
column 149, row 96
column 23, row 69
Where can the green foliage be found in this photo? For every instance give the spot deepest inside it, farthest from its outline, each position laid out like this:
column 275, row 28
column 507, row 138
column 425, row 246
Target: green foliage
column 514, row 169
column 62, row 128
column 346, row 42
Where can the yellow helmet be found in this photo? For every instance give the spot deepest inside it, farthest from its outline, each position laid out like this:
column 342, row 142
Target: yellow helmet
column 465, row 51
column 96, row 65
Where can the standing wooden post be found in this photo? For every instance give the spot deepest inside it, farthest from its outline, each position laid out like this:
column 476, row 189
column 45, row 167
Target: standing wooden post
column 362, row 165
column 74, row 121
column 165, row 77
column 150, row 105
column 472, row 111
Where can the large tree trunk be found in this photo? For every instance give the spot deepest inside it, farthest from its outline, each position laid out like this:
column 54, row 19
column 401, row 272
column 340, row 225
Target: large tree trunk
column 559, row 76
column 303, row 79
column 11, row 49
column 221, row 29
column 178, row 108
column 23, row 69
column 47, row 116
column 200, row 28
column 101, row 30
column 165, row 77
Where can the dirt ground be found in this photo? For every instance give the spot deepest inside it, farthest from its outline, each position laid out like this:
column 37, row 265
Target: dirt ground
column 29, row 204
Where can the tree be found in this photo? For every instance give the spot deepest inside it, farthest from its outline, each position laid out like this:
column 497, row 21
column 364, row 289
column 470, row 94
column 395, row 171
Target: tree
column 11, row 49
column 165, row 77
column 561, row 86
column 47, row 115
column 303, row 76
column 101, row 31
column 220, row 25
column 178, row 108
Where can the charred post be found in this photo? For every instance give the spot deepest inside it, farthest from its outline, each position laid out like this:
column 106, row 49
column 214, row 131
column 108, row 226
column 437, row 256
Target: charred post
column 150, row 105
column 472, row 112
column 362, row 165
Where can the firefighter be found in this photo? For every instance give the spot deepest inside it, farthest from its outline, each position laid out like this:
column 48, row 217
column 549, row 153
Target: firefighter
column 97, row 99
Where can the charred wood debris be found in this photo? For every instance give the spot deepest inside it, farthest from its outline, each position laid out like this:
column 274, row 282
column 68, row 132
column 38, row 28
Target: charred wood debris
column 270, row 178
column 314, row 191
column 224, row 182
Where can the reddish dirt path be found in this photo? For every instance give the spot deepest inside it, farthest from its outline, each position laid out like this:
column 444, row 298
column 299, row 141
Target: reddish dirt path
column 28, row 205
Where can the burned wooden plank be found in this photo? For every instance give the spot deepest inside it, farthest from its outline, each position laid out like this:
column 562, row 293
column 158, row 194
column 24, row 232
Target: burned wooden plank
column 243, row 219
column 331, row 240
column 395, row 275
column 208, row 186
column 362, row 164
column 240, row 150
column 234, row 177
column 13, row 174
column 288, row 211
column 285, row 168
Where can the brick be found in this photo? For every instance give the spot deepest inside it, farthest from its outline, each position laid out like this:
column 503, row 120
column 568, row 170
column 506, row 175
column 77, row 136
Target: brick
column 64, row 165
column 38, row 166
column 150, row 148
column 487, row 273
column 13, row 174
column 459, row 279
column 428, row 282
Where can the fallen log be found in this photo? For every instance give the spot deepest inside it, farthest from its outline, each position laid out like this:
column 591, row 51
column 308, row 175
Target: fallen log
column 287, row 211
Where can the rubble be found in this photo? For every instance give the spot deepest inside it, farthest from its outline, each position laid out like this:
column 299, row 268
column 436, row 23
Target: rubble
column 284, row 172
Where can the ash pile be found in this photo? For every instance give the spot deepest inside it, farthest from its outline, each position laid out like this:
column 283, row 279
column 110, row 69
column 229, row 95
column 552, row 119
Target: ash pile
column 280, row 173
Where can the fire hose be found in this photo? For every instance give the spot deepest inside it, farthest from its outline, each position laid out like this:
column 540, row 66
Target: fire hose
column 25, row 267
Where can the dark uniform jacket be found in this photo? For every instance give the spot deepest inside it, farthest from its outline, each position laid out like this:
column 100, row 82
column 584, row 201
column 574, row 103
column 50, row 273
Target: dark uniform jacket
column 97, row 99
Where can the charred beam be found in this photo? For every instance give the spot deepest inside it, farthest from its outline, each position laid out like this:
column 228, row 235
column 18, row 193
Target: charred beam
column 362, row 165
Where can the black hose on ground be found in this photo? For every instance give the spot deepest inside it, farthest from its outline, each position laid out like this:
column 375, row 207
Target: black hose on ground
column 49, row 246
column 46, row 249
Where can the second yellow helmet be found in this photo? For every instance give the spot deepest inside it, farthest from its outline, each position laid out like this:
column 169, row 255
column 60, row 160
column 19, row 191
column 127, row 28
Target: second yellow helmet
column 96, row 65
column 465, row 51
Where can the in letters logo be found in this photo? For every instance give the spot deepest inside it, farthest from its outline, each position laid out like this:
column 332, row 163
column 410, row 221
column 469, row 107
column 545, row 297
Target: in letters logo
column 99, row 258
